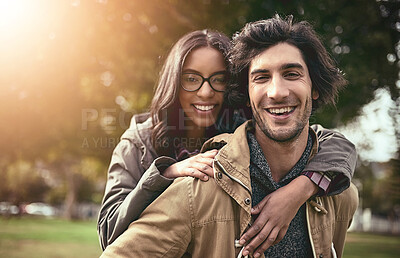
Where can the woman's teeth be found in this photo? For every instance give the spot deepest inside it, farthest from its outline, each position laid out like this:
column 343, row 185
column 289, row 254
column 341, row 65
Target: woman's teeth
column 204, row 108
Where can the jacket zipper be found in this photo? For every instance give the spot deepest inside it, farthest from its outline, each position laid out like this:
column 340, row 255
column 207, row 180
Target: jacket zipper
column 230, row 176
column 309, row 231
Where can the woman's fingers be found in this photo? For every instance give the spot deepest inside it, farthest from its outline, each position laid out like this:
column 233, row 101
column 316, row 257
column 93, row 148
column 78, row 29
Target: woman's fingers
column 208, row 154
column 271, row 240
column 204, row 165
column 260, row 206
column 203, row 160
column 206, row 169
column 275, row 212
column 199, row 166
column 257, row 233
column 193, row 172
column 263, row 237
column 259, row 223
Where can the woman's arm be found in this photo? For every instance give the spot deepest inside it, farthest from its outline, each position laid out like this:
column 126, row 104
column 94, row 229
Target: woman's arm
column 335, row 162
column 336, row 157
column 129, row 190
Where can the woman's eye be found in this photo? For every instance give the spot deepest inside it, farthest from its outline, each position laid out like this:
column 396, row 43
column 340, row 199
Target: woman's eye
column 219, row 79
column 191, row 79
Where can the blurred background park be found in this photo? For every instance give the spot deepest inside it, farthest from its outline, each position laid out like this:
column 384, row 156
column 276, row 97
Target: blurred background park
column 73, row 72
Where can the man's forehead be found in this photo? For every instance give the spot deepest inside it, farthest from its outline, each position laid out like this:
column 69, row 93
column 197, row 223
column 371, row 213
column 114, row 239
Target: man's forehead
column 277, row 56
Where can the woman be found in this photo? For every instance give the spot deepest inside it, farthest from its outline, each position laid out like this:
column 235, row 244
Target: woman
column 188, row 108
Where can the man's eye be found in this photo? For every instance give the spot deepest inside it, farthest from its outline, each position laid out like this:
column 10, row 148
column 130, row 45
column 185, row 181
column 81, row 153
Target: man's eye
column 261, row 78
column 292, row 75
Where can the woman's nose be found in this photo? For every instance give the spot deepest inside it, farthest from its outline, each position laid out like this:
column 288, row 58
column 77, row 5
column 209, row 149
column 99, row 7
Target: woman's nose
column 205, row 91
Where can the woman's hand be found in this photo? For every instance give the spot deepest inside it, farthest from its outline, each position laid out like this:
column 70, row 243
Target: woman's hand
column 275, row 212
column 199, row 166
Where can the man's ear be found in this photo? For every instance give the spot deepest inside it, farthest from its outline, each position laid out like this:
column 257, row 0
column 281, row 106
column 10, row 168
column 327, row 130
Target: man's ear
column 315, row 94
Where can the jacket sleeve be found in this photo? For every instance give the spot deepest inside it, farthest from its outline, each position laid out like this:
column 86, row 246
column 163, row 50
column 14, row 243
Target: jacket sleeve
column 163, row 229
column 128, row 191
column 336, row 155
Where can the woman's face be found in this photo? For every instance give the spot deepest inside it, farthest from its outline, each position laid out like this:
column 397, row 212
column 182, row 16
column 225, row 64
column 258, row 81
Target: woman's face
column 203, row 105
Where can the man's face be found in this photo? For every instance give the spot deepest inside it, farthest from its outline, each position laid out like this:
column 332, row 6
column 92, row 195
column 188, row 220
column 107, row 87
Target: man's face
column 280, row 91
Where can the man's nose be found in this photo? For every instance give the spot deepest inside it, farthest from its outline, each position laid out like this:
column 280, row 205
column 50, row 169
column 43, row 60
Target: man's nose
column 277, row 89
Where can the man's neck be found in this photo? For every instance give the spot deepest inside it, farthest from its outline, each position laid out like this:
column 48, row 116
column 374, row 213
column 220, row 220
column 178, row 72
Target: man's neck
column 282, row 156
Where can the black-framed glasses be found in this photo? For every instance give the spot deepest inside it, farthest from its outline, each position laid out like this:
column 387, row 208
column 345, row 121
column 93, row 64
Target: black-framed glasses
column 194, row 81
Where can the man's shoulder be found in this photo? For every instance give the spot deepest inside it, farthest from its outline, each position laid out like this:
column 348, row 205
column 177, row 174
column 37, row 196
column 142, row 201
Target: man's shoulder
column 348, row 198
column 221, row 140
column 345, row 203
column 202, row 196
column 196, row 188
column 216, row 142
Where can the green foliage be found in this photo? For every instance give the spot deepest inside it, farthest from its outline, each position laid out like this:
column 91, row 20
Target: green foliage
column 390, row 188
column 103, row 60
column 358, row 40
column 72, row 79
column 23, row 182
column 379, row 186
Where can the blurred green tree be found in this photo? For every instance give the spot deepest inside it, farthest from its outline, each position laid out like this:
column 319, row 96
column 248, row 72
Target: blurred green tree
column 22, row 182
column 72, row 79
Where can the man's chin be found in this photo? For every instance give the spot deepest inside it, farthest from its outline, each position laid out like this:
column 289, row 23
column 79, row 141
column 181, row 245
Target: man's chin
column 282, row 134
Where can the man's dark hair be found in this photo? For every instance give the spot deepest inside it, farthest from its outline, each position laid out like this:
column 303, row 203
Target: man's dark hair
column 258, row 36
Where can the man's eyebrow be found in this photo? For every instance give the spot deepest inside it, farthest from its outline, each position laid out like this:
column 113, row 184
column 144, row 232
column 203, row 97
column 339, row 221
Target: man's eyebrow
column 292, row 65
column 259, row 71
column 283, row 67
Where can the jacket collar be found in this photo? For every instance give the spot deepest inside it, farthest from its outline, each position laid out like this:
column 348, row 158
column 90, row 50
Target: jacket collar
column 234, row 156
column 139, row 133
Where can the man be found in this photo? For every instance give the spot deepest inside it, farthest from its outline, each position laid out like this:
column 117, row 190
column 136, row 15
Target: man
column 285, row 71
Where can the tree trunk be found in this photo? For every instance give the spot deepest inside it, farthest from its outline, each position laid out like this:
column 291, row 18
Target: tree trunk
column 70, row 203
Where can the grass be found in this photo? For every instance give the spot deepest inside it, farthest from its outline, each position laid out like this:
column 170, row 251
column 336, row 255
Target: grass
column 371, row 246
column 40, row 237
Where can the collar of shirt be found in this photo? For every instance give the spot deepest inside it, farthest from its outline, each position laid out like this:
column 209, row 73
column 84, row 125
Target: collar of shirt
column 258, row 159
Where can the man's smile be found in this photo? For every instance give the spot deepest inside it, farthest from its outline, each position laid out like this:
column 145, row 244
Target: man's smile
column 280, row 111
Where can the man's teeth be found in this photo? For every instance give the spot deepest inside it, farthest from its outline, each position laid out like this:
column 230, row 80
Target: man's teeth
column 204, row 108
column 280, row 110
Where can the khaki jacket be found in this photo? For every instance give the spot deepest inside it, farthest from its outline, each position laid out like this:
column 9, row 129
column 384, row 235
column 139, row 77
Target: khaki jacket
column 203, row 219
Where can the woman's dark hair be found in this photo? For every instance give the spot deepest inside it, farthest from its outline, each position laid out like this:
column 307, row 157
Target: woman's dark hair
column 165, row 107
column 258, row 36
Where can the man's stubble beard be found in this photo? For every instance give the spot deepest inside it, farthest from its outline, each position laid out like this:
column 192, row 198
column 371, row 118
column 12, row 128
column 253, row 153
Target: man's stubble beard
column 291, row 134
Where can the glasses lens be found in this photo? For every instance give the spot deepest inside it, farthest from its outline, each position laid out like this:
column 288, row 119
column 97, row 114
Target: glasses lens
column 191, row 81
column 219, row 81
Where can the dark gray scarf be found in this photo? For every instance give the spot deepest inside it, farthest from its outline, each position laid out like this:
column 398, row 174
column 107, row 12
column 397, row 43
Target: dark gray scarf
column 296, row 242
